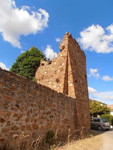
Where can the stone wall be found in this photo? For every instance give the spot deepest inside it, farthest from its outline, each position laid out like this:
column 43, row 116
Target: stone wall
column 58, row 102
column 67, row 74
column 33, row 108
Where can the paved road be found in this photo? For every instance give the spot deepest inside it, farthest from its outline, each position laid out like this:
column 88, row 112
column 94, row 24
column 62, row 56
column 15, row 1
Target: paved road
column 107, row 140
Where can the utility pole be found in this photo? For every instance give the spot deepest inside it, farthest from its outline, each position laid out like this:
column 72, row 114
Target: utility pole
column 93, row 97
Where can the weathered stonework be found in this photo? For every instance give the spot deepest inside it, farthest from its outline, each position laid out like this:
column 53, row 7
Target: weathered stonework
column 59, row 102
column 67, row 74
column 32, row 108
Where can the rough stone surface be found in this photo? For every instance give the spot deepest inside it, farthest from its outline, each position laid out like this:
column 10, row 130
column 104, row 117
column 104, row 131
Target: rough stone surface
column 67, row 74
column 59, row 102
column 38, row 109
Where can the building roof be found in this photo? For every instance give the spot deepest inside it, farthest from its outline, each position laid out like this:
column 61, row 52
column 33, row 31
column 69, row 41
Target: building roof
column 110, row 106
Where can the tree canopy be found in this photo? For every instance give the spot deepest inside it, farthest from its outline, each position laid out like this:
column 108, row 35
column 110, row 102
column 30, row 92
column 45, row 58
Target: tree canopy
column 97, row 108
column 27, row 63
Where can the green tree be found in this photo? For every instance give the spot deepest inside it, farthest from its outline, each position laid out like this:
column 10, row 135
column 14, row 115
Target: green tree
column 108, row 117
column 27, row 63
column 97, row 108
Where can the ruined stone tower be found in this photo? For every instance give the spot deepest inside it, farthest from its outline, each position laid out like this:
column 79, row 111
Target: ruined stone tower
column 34, row 109
column 67, row 74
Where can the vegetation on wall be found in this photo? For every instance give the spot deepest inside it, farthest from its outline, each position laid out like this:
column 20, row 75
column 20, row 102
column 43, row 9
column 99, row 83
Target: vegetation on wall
column 98, row 108
column 50, row 137
column 27, row 63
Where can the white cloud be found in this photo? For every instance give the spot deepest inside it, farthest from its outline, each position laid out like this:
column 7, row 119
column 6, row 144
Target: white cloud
column 3, row 66
column 91, row 90
column 25, row 7
column 94, row 73
column 96, row 38
column 58, row 39
column 49, row 53
column 22, row 51
column 105, row 95
column 106, row 78
column 101, row 96
column 15, row 22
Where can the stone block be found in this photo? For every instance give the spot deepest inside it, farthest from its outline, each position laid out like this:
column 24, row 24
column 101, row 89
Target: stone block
column 5, row 130
column 14, row 128
column 35, row 126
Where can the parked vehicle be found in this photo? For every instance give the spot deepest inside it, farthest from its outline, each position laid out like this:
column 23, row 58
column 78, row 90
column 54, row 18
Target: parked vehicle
column 100, row 123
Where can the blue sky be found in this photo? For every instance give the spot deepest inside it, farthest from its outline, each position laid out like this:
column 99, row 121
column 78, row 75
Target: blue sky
column 43, row 23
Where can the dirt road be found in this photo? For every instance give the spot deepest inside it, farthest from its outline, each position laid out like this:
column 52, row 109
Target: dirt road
column 107, row 143
column 103, row 140
column 94, row 142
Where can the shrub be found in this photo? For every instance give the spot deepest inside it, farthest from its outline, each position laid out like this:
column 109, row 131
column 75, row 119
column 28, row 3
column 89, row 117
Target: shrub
column 97, row 108
column 108, row 117
column 50, row 137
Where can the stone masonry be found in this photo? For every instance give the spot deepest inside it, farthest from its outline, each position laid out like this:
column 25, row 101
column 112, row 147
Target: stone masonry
column 58, row 102
column 67, row 74
column 26, row 106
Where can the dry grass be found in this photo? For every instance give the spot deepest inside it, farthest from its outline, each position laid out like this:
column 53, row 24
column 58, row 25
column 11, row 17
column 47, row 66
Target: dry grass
column 92, row 143
column 24, row 142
